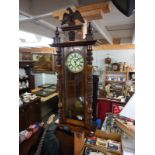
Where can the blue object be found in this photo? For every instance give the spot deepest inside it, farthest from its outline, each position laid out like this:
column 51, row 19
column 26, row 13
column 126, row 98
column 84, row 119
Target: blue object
column 37, row 124
column 99, row 123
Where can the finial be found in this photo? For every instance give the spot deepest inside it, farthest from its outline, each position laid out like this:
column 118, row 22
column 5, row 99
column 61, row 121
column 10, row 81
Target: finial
column 89, row 28
column 57, row 31
column 89, row 35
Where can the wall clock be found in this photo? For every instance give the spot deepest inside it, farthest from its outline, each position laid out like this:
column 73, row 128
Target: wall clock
column 115, row 67
column 131, row 75
column 74, row 70
column 75, row 62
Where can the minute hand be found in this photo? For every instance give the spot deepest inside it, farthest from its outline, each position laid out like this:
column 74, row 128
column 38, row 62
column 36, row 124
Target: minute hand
column 78, row 59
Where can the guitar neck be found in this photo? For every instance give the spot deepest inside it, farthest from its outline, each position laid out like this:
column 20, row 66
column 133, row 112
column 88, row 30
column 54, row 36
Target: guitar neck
column 38, row 151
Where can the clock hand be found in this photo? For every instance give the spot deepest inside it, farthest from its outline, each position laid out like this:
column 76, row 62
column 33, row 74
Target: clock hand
column 78, row 59
column 75, row 60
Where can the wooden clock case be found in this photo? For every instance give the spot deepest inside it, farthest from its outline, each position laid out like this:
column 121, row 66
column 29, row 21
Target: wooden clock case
column 69, row 83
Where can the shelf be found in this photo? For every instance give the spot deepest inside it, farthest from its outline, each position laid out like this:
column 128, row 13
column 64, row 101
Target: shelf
column 115, row 81
column 102, row 149
column 30, row 61
column 24, row 90
column 112, row 100
column 106, row 136
column 27, row 66
column 114, row 89
column 37, row 99
column 44, row 71
column 25, row 63
column 116, row 72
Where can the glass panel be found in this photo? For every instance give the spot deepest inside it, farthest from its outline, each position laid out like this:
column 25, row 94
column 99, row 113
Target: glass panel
column 74, row 91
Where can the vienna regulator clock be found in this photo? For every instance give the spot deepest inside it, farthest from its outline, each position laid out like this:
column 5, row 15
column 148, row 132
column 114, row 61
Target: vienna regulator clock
column 74, row 69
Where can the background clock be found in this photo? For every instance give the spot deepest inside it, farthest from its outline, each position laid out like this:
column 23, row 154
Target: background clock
column 75, row 62
column 115, row 67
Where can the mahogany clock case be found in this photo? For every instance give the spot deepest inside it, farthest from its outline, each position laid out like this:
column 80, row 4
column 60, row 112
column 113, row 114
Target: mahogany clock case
column 75, row 87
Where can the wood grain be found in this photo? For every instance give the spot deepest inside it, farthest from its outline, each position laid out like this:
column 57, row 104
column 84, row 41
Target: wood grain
column 113, row 47
column 39, row 50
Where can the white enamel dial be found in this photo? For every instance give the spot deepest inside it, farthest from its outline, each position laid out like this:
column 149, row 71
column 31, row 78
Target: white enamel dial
column 75, row 62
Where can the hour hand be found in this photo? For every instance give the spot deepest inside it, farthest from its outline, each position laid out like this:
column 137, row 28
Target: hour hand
column 73, row 62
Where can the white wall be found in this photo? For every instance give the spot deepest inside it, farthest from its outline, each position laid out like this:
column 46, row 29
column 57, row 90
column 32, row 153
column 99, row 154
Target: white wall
column 38, row 77
column 49, row 78
column 42, row 78
column 116, row 56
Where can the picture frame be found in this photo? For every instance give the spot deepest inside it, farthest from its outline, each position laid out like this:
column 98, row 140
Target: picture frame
column 26, row 56
column 43, row 62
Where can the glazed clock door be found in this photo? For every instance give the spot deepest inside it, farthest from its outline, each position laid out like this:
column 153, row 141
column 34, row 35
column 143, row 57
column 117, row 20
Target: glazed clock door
column 74, row 72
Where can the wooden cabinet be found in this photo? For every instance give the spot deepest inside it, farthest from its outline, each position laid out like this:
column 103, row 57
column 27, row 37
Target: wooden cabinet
column 23, row 123
column 116, row 76
column 29, row 113
column 104, row 148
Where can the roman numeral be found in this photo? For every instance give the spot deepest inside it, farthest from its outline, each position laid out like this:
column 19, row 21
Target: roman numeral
column 80, row 65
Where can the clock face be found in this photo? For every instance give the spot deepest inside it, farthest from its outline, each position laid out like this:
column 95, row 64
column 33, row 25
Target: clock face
column 133, row 76
column 75, row 62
